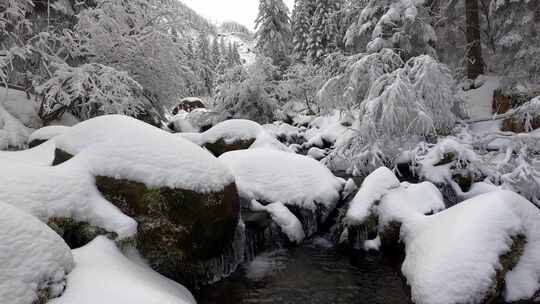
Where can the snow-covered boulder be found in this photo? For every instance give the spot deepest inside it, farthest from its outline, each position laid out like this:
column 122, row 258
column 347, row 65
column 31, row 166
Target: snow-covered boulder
column 235, row 134
column 104, row 275
column 13, row 134
column 173, row 198
column 34, row 261
column 383, row 204
column 476, row 251
column 302, row 184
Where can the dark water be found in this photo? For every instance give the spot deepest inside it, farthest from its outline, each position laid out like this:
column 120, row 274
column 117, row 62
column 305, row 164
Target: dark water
column 313, row 273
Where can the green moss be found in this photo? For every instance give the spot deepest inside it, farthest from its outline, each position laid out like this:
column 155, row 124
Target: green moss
column 508, row 261
column 77, row 234
column 176, row 227
column 220, row 147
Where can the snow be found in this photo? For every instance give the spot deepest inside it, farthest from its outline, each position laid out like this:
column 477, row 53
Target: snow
column 125, row 148
column 42, row 155
column 350, row 188
column 275, row 176
column 47, row 133
column 115, row 146
column 246, row 47
column 373, row 188
column 453, row 256
column 65, row 191
column 104, row 275
column 480, row 100
column 316, row 153
column 374, row 244
column 32, row 257
column 284, row 218
column 234, row 130
column 13, row 134
column 326, row 128
column 408, row 202
column 23, row 109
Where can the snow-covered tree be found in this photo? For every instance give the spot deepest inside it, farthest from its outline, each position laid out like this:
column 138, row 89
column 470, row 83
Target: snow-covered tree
column 323, row 33
column 515, row 31
column 90, row 90
column 402, row 25
column 142, row 37
column 273, row 34
column 250, row 96
column 301, row 19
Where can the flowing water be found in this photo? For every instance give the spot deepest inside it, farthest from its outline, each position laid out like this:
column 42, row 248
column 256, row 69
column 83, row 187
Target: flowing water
column 313, row 273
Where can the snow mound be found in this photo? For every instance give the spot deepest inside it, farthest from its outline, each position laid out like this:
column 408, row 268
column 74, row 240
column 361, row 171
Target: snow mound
column 409, row 201
column 32, row 258
column 104, row 275
column 453, row 256
column 47, row 133
column 42, row 155
column 13, row 134
column 65, row 191
column 373, row 188
column 125, row 148
column 235, row 130
column 275, row 176
column 325, row 130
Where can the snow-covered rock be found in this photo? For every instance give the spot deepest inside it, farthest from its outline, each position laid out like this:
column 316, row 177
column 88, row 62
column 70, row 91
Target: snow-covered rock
column 286, row 220
column 175, row 199
column 466, row 253
column 304, row 185
column 104, row 275
column 34, row 261
column 383, row 204
column 235, row 134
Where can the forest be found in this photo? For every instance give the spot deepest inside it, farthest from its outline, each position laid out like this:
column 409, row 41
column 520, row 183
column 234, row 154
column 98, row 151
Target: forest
column 342, row 151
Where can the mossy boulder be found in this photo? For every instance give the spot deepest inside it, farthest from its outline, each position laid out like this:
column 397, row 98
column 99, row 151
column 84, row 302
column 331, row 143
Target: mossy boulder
column 77, row 234
column 221, row 146
column 177, row 228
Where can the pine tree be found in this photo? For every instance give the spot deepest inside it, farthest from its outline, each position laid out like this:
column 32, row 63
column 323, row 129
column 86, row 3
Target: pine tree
column 215, row 53
column 274, row 31
column 301, row 23
column 323, row 38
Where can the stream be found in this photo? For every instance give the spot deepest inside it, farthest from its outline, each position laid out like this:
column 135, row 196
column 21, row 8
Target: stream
column 314, row 273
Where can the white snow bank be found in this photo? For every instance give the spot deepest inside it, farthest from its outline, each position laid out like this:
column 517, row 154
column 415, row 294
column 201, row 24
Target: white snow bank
column 275, row 176
column 32, row 257
column 453, row 256
column 42, row 155
column 47, row 133
column 104, row 275
column 286, row 220
column 479, row 100
column 373, row 188
column 65, row 191
column 125, row 148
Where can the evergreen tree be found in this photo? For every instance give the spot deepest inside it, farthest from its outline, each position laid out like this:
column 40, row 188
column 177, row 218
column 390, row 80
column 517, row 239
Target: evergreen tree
column 215, row 53
column 205, row 70
column 274, row 31
column 301, row 24
column 323, row 38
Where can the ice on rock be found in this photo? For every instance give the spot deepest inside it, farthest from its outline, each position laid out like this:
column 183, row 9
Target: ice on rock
column 286, row 220
column 33, row 258
column 104, row 275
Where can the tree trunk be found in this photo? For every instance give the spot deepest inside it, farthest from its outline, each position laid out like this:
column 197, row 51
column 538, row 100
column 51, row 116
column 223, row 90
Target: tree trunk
column 475, row 63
